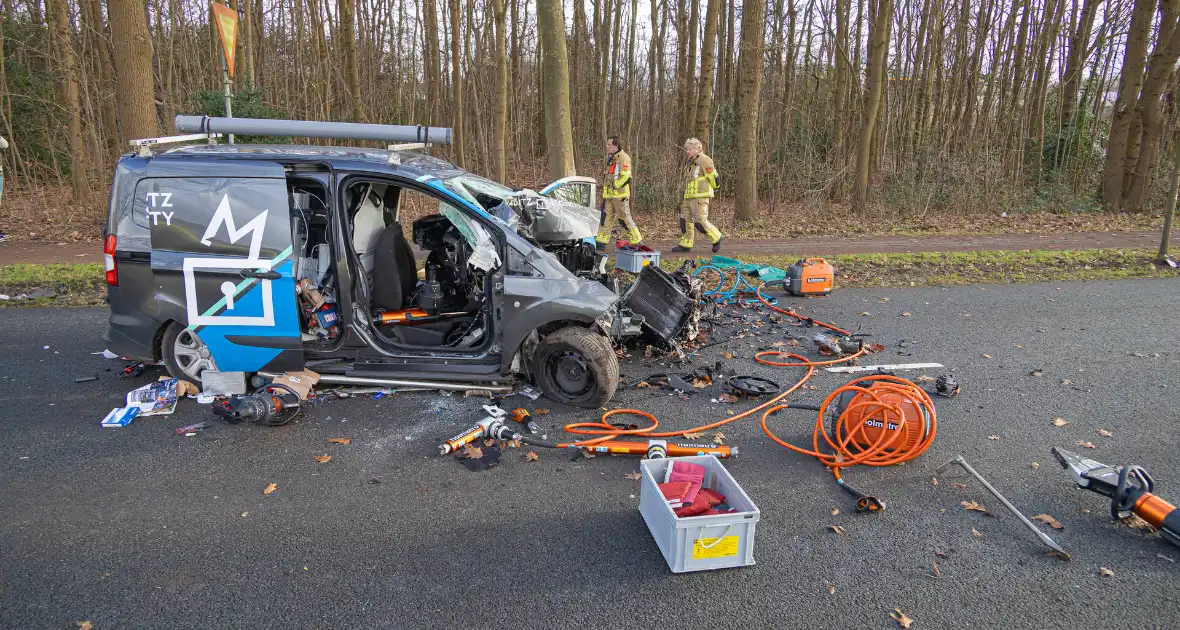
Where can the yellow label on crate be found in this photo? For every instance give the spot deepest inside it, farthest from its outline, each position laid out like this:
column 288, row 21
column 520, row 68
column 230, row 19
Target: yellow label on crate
column 712, row 548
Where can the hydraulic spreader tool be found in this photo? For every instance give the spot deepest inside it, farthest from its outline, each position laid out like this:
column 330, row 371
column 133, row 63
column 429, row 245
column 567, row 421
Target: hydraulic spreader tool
column 1129, row 490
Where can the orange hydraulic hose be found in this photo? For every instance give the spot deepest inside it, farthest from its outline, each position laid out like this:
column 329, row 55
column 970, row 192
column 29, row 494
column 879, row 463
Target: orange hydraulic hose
column 606, row 431
column 851, row 445
column 758, row 358
column 797, row 316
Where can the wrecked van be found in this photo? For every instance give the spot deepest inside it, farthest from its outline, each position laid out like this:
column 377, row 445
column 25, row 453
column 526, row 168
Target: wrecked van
column 242, row 260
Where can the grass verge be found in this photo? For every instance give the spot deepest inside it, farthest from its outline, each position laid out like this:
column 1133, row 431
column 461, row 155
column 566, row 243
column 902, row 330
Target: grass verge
column 83, row 285
column 72, row 285
column 957, row 268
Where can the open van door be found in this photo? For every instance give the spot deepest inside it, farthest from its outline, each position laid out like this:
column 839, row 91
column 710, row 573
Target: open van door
column 574, row 189
column 221, row 242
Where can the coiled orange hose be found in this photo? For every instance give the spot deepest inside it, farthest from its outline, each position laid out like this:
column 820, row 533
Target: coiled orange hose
column 879, row 404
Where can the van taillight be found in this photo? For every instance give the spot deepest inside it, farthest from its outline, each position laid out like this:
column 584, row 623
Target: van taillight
column 108, row 259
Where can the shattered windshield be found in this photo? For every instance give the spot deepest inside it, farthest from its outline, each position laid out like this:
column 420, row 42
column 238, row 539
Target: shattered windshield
column 478, row 190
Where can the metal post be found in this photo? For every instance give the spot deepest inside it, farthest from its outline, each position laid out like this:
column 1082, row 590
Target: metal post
column 229, row 113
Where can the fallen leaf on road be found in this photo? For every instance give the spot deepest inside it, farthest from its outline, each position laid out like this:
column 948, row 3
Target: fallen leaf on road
column 927, row 379
column 835, row 511
column 993, row 437
column 1048, row 520
column 532, row 457
column 865, row 313
column 642, row 384
column 727, row 355
column 934, row 481
column 84, row 625
column 727, row 398
column 514, row 444
column 587, row 455
column 958, row 486
column 1036, row 373
column 694, row 436
column 245, row 513
column 884, row 299
column 472, row 452
column 973, row 505
column 1105, row 572
column 271, row 488
column 778, row 344
column 941, row 554
column 976, row 533
column 1104, row 433
column 831, row 589
column 635, row 476
column 701, row 383
column 986, row 356
column 647, row 352
column 1060, row 422
column 719, row 438
column 323, row 459
column 1034, row 465
column 905, row 314
column 344, row 441
column 901, row 618
column 1085, row 444
column 1134, row 522
column 540, row 412
column 1066, row 381
column 934, row 569
column 836, row 528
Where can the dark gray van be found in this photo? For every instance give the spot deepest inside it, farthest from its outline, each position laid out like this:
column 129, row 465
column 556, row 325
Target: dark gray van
column 261, row 259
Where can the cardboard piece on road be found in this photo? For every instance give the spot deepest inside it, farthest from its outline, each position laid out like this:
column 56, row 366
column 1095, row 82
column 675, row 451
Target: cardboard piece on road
column 301, row 381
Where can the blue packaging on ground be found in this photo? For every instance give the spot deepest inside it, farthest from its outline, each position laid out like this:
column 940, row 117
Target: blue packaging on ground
column 120, row 416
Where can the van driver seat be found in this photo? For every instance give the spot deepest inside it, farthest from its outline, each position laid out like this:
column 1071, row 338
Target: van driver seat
column 395, row 272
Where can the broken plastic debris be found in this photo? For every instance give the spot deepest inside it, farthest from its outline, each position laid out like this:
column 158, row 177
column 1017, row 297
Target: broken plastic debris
column 106, row 354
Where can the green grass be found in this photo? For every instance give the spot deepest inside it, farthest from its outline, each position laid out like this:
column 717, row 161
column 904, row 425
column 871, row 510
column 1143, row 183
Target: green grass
column 76, row 285
column 82, row 285
column 956, row 268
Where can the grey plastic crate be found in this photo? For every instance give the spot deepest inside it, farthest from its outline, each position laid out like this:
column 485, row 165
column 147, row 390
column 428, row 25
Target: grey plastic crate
column 635, row 261
column 699, row 543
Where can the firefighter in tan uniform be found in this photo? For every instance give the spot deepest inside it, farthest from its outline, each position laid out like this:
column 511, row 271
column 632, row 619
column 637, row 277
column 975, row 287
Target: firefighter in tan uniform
column 616, row 194
column 700, row 180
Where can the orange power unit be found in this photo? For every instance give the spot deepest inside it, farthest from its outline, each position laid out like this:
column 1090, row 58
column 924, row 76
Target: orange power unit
column 809, row 276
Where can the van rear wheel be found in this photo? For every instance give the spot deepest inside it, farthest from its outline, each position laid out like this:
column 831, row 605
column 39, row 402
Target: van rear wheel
column 577, row 367
column 185, row 355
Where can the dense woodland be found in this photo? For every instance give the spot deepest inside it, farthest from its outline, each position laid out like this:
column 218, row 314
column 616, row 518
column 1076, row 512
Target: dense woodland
column 910, row 105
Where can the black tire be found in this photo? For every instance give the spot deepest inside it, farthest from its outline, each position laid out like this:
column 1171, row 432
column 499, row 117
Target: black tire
column 176, row 365
column 576, row 366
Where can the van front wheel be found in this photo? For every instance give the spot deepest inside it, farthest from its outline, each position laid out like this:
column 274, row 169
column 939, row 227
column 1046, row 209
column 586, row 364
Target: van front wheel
column 577, row 367
column 185, row 355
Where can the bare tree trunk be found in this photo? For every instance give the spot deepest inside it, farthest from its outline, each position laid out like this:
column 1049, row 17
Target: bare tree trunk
column 1130, row 81
column 705, row 91
column 749, row 98
column 100, row 45
column 555, row 68
column 839, row 86
column 604, row 67
column 347, row 10
column 631, row 82
column 431, row 60
column 881, row 19
column 457, row 85
column 1076, row 60
column 500, row 158
column 133, row 67
column 63, row 37
column 1159, row 71
column 688, row 114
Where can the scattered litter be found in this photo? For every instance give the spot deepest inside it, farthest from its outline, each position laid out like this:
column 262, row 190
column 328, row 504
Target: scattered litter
column 1060, row 422
column 300, row 382
column 343, row 441
column 532, row 457
column 106, row 354
column 85, row 379
column 836, row 528
column 530, row 393
column 155, row 399
column 192, row 428
column 1104, row 433
column 271, row 488
column 1105, row 572
column 323, row 459
column 120, row 416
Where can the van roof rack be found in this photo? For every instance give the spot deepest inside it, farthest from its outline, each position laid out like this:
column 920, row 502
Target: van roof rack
column 143, row 145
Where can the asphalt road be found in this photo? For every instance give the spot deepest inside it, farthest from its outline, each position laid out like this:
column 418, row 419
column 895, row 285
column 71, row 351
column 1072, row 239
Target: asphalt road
column 142, row 528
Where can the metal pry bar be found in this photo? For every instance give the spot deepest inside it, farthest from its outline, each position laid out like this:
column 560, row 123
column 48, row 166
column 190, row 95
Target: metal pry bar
column 1049, row 542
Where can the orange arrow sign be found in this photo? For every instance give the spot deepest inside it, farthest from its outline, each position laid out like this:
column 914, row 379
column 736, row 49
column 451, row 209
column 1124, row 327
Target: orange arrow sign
column 226, row 21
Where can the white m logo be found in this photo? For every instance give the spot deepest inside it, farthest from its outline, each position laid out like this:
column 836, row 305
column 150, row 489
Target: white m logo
column 225, row 216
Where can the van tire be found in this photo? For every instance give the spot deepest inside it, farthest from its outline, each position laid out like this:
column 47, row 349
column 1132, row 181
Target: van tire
column 168, row 351
column 576, row 366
